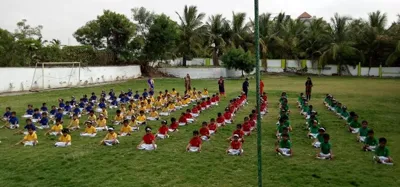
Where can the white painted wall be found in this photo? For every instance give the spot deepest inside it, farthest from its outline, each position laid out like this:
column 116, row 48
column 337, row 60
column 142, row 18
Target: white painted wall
column 20, row 79
column 202, row 73
column 391, row 72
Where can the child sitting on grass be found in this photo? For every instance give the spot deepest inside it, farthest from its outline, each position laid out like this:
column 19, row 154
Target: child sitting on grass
column 320, row 138
column 370, row 141
column 326, row 149
column 55, row 129
column 363, row 132
column 74, row 123
column 163, row 130
column 111, row 138
column 29, row 125
column 313, row 131
column 174, row 125
column 194, row 144
column 238, row 132
column 141, row 119
column 44, row 122
column 101, row 123
column 212, row 127
column 13, row 122
column 189, row 116
column 125, row 129
column 382, row 153
column 182, row 120
column 90, row 130
column 235, row 147
column 153, row 116
column 204, row 132
column 64, row 140
column 148, row 142
column 220, row 120
column 118, row 118
column 354, row 126
column 285, row 146
column 30, row 139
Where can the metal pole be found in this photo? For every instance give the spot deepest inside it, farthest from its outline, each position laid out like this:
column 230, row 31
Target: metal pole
column 256, row 38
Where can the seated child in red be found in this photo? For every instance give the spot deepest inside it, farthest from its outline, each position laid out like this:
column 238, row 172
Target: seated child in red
column 246, row 127
column 220, row 119
column 204, row 132
column 212, row 127
column 194, row 143
column 182, row 120
column 174, row 125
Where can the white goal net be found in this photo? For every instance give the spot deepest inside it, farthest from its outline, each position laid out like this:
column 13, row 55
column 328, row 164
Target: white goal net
column 49, row 75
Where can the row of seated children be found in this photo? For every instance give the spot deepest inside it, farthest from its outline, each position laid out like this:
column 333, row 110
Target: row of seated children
column 283, row 145
column 364, row 134
column 315, row 130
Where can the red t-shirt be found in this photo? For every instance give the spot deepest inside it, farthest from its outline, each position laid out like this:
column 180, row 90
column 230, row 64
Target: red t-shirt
column 198, row 107
column 246, row 126
column 204, row 104
column 195, row 141
column 174, row 125
column 204, row 131
column 232, row 109
column 239, row 132
column 195, row 110
column 263, row 106
column 243, row 97
column 236, row 144
column 254, row 116
column 148, row 138
column 252, row 123
column 227, row 115
column 217, row 98
column 182, row 119
column 212, row 126
column 163, row 129
column 264, row 97
column 188, row 116
column 221, row 119
column 261, row 87
column 208, row 102
column 213, row 99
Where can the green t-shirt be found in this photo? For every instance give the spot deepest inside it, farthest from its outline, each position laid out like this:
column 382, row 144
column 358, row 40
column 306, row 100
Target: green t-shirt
column 306, row 108
column 325, row 148
column 371, row 141
column 314, row 129
column 382, row 151
column 285, row 144
column 355, row 124
column 311, row 122
column 363, row 131
column 286, row 107
column 280, row 128
column 300, row 99
column 338, row 109
column 320, row 138
column 344, row 114
column 327, row 99
column 349, row 119
column 287, row 124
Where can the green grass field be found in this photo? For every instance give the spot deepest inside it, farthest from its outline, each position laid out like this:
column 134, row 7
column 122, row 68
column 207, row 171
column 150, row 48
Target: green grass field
column 86, row 163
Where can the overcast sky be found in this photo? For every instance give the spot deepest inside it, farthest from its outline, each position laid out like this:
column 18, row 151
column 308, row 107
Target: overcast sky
column 61, row 18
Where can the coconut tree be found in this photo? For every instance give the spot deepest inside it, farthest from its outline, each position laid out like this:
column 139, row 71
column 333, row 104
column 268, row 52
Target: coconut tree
column 339, row 47
column 240, row 30
column 191, row 31
column 266, row 36
column 393, row 57
column 216, row 26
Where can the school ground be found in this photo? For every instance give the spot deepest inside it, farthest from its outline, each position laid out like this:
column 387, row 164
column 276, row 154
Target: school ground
column 86, row 163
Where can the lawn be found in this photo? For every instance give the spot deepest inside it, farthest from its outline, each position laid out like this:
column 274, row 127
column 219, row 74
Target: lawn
column 86, row 163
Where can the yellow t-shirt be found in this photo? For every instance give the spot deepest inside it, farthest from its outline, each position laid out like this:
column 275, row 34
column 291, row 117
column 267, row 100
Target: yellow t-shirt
column 105, row 113
column 154, row 114
column 179, row 103
column 57, row 128
column 132, row 123
column 126, row 129
column 173, row 93
column 141, row 118
column 123, row 110
column 119, row 118
column 164, row 109
column 133, row 105
column 74, row 123
column 142, row 108
column 90, row 130
column 152, row 99
column 111, row 136
column 92, row 118
column 30, row 137
column 158, row 104
column 171, row 106
column 66, row 138
column 149, row 106
column 130, row 112
column 205, row 92
column 101, row 122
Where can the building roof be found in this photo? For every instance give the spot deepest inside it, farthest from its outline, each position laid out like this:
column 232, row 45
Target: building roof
column 305, row 15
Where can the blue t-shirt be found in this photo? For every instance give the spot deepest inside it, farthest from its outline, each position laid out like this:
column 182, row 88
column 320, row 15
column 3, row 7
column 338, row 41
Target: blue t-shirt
column 44, row 121
column 136, row 96
column 67, row 108
column 85, row 99
column 81, row 105
column 61, row 105
column 13, row 120
column 29, row 111
column 36, row 116
column 151, row 92
column 145, row 94
column 102, row 105
column 43, row 108
column 130, row 93
column 7, row 114
column 93, row 98
column 77, row 111
column 114, row 102
column 72, row 102
column 121, row 96
column 59, row 116
column 31, row 126
column 88, row 108
column 103, row 94
column 53, row 112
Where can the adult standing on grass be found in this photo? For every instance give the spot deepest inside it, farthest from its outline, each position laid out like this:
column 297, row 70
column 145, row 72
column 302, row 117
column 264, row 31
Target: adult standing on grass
column 221, row 86
column 261, row 87
column 245, row 86
column 187, row 82
column 150, row 82
column 309, row 85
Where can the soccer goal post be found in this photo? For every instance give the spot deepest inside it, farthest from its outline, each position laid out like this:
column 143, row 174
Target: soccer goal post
column 48, row 75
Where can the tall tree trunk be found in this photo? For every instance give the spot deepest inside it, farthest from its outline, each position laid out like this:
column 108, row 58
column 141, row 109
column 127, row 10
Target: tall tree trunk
column 184, row 60
column 265, row 63
column 215, row 57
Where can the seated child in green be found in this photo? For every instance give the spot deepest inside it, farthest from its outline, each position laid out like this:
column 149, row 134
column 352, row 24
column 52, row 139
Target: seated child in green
column 326, row 149
column 382, row 153
column 320, row 138
column 370, row 142
column 354, row 126
column 313, row 131
column 363, row 132
column 344, row 115
column 285, row 146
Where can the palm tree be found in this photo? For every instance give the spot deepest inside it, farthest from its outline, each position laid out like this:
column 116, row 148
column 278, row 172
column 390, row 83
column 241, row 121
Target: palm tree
column 316, row 36
column 339, row 44
column 216, row 26
column 266, row 36
column 394, row 56
column 191, row 31
column 240, row 30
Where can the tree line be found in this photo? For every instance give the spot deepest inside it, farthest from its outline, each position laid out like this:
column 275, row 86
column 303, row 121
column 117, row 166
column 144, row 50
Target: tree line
column 114, row 39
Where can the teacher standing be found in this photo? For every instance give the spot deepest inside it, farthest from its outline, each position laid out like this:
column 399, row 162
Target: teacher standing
column 187, row 82
column 245, row 86
column 150, row 82
column 309, row 86
column 221, row 86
